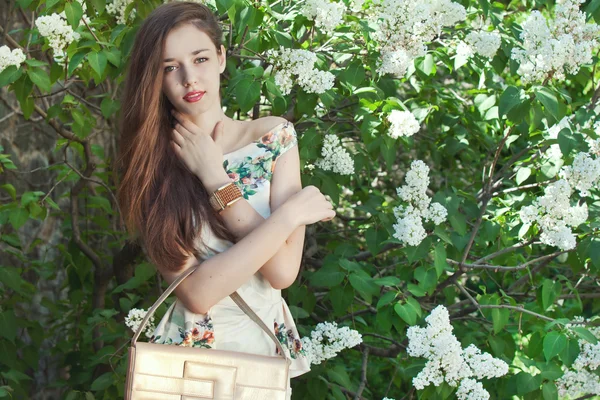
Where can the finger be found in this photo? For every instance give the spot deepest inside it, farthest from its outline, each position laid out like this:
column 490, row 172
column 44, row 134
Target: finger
column 176, row 148
column 186, row 123
column 178, row 138
column 184, row 132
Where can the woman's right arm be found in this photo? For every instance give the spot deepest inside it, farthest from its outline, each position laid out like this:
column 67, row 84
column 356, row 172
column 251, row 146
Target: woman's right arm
column 222, row 274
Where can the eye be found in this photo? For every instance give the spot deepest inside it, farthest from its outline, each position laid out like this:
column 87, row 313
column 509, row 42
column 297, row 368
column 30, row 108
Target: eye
column 171, row 66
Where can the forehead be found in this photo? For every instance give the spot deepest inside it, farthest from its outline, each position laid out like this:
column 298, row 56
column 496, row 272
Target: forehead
column 183, row 40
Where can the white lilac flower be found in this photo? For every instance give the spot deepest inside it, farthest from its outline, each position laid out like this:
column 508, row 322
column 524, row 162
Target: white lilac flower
column 326, row 14
column 403, row 123
column 134, row 319
column 555, row 215
column 409, row 219
column 554, row 152
column 484, row 365
column 58, row 32
column 555, row 46
column 463, row 50
column 484, row 43
column 446, row 361
column 470, row 389
column 584, row 174
column 299, row 63
column 117, row 8
column 395, row 62
column 335, row 158
column 10, row 57
column 327, row 340
column 580, row 378
column 357, row 5
column 408, row 25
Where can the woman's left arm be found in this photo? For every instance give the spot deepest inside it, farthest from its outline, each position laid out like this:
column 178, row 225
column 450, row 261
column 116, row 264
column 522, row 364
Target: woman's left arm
column 282, row 269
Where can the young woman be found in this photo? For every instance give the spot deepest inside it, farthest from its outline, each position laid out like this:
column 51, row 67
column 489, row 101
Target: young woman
column 177, row 148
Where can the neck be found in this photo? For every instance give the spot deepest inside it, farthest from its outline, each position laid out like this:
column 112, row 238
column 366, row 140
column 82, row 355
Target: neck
column 207, row 120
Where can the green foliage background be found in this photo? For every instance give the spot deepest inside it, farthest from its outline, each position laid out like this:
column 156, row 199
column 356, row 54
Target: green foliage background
column 481, row 135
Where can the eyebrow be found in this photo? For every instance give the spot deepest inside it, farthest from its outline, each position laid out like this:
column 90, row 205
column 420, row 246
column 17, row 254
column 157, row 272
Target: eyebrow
column 193, row 53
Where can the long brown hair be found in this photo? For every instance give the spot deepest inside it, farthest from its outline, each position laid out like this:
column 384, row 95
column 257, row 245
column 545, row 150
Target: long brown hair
column 163, row 205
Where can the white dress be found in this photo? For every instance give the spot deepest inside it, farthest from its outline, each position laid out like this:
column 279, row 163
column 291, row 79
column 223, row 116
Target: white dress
column 225, row 326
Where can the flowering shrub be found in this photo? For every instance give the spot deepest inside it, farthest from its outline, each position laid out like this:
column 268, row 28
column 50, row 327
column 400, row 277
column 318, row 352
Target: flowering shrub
column 459, row 143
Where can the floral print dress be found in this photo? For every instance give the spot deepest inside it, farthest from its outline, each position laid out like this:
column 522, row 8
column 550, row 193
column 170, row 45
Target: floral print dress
column 225, row 326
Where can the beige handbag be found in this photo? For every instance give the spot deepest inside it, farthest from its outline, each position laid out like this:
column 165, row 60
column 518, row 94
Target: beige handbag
column 170, row 372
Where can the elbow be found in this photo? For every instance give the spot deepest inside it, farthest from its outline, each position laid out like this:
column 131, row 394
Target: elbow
column 283, row 281
column 197, row 305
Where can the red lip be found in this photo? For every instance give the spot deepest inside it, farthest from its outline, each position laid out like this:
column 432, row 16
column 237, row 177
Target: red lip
column 193, row 96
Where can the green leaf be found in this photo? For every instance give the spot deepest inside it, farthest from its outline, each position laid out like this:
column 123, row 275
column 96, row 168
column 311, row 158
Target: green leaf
column 527, row 383
column 426, row 65
column 566, row 142
column 412, row 302
column 510, row 98
column 388, row 281
column 585, row 334
column 416, row 290
column 40, row 78
column 327, row 277
column 10, row 75
column 570, row 352
column 99, row 6
column 247, row 93
column 8, row 325
column 522, row 175
column 554, row 343
column 440, row 259
column 354, row 74
column 548, row 98
column 10, row 189
column 386, row 299
column 103, row 381
column 108, row 107
column 500, row 318
column 406, row 312
column 364, row 285
column 75, row 61
column 18, row 217
column 32, row 62
column 550, row 291
column 74, row 12
column 100, row 202
column 372, row 240
column 549, row 391
column 98, row 62
column 11, row 277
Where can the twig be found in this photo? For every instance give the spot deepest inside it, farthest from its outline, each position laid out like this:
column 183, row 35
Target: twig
column 507, row 268
column 363, row 375
column 505, row 250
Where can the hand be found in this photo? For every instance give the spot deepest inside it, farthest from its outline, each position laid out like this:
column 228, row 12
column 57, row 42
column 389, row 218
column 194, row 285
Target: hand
column 200, row 152
column 309, row 206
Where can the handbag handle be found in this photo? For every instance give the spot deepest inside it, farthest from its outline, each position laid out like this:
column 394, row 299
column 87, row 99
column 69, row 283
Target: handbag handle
column 234, row 296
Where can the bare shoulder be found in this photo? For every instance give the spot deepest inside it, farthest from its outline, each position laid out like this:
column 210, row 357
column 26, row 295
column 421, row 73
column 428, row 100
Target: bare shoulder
column 259, row 127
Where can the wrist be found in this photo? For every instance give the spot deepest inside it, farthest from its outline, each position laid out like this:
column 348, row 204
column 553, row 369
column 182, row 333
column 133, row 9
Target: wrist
column 287, row 215
column 214, row 181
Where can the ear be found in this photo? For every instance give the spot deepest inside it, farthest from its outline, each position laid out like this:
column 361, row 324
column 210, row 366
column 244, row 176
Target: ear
column 222, row 60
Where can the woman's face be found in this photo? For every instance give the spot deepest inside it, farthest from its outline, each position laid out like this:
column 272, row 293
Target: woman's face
column 191, row 64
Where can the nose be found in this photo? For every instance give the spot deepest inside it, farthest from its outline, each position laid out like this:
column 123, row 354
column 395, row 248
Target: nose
column 188, row 78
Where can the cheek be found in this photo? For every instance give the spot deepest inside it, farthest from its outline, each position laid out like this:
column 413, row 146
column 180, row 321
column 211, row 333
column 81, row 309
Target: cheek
column 169, row 87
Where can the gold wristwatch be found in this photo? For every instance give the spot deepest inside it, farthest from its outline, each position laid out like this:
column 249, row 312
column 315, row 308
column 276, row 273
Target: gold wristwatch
column 225, row 196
